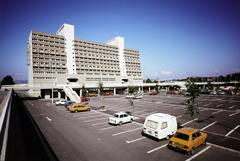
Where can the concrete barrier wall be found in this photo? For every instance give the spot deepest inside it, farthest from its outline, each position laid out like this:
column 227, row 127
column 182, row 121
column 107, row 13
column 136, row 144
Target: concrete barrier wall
column 25, row 142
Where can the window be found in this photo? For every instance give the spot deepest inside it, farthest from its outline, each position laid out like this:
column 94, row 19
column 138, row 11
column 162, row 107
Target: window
column 125, row 115
column 121, row 116
column 182, row 136
column 198, row 134
column 151, row 124
column 193, row 136
column 164, row 125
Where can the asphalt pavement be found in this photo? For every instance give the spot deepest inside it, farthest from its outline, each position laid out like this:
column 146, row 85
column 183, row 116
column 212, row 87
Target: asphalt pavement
column 88, row 136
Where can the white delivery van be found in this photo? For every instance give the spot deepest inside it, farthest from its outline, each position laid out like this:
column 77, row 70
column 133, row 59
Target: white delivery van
column 160, row 125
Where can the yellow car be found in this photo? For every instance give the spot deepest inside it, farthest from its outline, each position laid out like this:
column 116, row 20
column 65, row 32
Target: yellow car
column 187, row 139
column 76, row 107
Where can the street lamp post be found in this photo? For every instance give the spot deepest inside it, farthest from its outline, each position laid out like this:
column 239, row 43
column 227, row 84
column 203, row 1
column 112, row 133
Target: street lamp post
column 53, row 80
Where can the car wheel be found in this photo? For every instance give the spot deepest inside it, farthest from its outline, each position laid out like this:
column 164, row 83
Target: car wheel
column 169, row 147
column 131, row 120
column 192, row 151
column 120, row 123
column 142, row 133
column 205, row 142
column 167, row 137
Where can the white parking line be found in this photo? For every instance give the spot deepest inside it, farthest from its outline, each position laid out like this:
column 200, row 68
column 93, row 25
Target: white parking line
column 224, row 148
column 85, row 114
column 132, row 141
column 30, row 102
column 208, row 125
column 100, row 123
column 116, row 134
column 234, row 114
column 176, row 107
column 202, row 151
column 232, row 130
column 217, row 111
column 111, row 127
column 140, row 111
column 48, row 119
column 232, row 106
column 219, row 105
column 207, row 104
column 96, row 119
column 148, row 113
column 88, row 117
column 189, row 122
column 205, row 109
column 150, row 151
column 179, row 116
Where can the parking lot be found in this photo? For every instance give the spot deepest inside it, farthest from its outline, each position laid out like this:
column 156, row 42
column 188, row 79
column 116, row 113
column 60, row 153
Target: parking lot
column 88, row 136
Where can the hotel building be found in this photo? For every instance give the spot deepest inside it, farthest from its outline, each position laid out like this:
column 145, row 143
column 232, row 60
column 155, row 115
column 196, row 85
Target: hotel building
column 62, row 59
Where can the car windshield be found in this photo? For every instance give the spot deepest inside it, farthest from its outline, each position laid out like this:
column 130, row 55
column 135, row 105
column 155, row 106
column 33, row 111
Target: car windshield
column 181, row 136
column 116, row 115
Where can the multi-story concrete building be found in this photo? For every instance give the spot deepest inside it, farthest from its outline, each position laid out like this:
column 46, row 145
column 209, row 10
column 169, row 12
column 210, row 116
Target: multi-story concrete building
column 61, row 59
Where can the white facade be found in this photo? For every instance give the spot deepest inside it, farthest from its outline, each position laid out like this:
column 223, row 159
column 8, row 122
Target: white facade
column 119, row 42
column 67, row 31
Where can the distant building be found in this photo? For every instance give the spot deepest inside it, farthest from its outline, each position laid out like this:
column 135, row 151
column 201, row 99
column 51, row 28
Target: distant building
column 63, row 59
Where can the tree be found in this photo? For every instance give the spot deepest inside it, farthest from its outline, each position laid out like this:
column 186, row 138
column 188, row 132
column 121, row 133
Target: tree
column 209, row 85
column 84, row 91
column 132, row 90
column 130, row 99
column 7, row 80
column 157, row 89
column 100, row 90
column 192, row 93
column 148, row 81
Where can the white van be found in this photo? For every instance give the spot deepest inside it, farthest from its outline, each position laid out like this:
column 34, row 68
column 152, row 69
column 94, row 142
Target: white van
column 160, row 125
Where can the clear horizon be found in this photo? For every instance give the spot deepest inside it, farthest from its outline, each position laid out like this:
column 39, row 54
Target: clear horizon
column 176, row 39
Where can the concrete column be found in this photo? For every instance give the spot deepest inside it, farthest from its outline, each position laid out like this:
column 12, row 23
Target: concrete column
column 139, row 89
column 59, row 95
column 114, row 91
column 80, row 93
column 167, row 88
column 149, row 89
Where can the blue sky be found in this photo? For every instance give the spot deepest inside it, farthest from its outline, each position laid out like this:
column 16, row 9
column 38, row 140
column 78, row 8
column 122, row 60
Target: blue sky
column 176, row 38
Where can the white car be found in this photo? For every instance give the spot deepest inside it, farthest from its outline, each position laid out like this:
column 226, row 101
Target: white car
column 129, row 96
column 120, row 118
column 60, row 102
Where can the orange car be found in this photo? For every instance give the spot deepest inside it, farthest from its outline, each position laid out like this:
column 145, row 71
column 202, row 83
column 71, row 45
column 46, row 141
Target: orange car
column 76, row 107
column 85, row 99
column 187, row 139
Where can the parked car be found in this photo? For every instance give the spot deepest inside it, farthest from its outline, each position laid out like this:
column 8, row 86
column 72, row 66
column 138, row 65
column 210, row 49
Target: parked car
column 160, row 125
column 153, row 93
column 85, row 99
column 60, row 102
column 76, row 107
column 129, row 96
column 187, row 139
column 221, row 93
column 238, row 93
column 120, row 118
column 205, row 91
column 137, row 96
column 68, row 103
